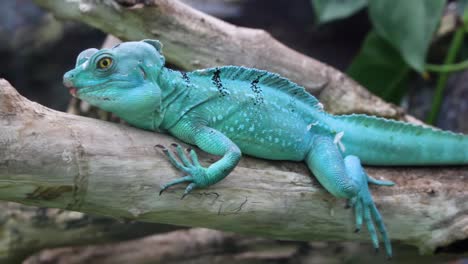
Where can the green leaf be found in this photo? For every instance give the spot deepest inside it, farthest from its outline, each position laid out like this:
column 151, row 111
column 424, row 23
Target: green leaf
column 408, row 25
column 462, row 7
column 380, row 68
column 329, row 10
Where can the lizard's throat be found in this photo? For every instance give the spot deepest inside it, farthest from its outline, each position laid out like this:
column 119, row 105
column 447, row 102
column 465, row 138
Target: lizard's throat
column 142, row 108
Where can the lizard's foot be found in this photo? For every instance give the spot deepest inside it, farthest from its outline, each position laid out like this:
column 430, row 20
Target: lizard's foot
column 364, row 206
column 196, row 174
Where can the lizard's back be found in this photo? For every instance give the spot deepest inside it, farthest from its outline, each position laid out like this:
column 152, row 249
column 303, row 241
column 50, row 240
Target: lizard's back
column 266, row 115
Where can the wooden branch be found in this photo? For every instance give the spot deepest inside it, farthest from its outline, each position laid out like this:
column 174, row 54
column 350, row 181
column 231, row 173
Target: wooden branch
column 54, row 159
column 200, row 245
column 195, row 40
column 26, row 230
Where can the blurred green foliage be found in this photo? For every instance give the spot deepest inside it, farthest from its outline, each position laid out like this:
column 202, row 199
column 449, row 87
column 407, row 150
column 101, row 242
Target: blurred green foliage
column 380, row 68
column 403, row 31
column 408, row 26
column 329, row 10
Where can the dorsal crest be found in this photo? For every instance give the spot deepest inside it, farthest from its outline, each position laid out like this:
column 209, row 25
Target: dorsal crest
column 263, row 79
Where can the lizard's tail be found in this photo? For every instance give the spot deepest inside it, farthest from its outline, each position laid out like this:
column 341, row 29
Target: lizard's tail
column 378, row 141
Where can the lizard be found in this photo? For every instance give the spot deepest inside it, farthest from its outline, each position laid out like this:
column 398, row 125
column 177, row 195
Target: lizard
column 232, row 110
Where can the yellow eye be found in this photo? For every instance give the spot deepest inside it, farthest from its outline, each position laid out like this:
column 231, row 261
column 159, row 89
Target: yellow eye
column 104, row 63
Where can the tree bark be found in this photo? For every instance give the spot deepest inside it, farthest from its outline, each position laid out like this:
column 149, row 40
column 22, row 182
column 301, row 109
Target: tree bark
column 199, row 245
column 195, row 40
column 26, row 230
column 54, row 159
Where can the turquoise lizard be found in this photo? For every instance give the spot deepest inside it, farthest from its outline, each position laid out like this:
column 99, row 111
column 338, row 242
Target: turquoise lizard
column 231, row 110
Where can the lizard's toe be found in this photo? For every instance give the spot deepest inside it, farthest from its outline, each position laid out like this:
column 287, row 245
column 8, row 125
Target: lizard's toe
column 174, row 182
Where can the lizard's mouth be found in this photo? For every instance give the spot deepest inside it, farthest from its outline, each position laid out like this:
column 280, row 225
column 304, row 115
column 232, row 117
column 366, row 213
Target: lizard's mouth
column 72, row 91
column 69, row 84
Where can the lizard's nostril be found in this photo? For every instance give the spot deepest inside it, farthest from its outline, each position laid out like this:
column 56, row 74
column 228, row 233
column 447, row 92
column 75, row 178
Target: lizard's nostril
column 67, row 79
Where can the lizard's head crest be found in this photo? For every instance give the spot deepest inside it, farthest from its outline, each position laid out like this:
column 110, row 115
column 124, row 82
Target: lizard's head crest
column 119, row 79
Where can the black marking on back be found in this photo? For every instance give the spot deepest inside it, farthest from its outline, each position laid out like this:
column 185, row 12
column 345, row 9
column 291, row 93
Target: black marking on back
column 185, row 77
column 268, row 81
column 257, row 89
column 292, row 104
column 217, row 82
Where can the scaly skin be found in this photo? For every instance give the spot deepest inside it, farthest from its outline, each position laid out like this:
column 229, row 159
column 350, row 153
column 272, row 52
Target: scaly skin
column 231, row 110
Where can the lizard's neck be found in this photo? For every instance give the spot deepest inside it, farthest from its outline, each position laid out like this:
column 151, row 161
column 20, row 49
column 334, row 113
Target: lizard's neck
column 140, row 107
column 149, row 110
column 180, row 95
column 173, row 91
column 157, row 104
column 171, row 83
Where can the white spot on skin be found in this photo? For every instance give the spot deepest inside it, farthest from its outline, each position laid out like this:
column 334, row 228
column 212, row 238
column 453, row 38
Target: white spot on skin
column 337, row 141
column 311, row 125
column 320, row 105
column 220, row 117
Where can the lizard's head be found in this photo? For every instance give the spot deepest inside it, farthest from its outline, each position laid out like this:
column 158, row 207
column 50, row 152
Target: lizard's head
column 120, row 79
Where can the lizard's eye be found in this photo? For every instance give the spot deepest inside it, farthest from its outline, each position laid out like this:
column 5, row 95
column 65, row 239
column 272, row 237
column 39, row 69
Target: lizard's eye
column 104, row 63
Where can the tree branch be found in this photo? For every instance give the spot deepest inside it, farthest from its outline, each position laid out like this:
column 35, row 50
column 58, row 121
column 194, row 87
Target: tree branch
column 54, row 159
column 199, row 245
column 26, row 230
column 195, row 40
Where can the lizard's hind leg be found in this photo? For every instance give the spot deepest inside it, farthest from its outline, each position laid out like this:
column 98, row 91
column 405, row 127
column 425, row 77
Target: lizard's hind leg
column 345, row 178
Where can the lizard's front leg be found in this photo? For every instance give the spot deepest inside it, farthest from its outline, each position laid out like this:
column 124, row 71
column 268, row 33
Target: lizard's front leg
column 209, row 140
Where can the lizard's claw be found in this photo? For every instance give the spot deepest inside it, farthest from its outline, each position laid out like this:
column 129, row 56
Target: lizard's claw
column 174, row 182
column 196, row 173
column 189, row 188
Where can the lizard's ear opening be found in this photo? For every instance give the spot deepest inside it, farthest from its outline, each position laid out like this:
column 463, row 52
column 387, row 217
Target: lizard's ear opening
column 85, row 55
column 155, row 43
